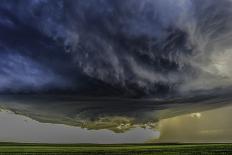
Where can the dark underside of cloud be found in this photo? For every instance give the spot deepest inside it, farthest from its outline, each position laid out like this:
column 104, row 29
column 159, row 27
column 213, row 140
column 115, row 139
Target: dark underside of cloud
column 116, row 114
column 157, row 51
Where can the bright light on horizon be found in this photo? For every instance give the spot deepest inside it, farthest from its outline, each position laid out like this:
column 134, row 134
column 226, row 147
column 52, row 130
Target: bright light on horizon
column 196, row 115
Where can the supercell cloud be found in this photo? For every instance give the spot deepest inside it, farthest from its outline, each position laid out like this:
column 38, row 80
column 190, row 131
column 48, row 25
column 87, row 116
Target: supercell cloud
column 150, row 48
column 144, row 59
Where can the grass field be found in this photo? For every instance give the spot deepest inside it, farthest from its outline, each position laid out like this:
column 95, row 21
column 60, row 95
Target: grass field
column 116, row 149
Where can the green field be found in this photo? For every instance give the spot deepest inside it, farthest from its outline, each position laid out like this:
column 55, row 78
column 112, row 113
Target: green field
column 116, row 149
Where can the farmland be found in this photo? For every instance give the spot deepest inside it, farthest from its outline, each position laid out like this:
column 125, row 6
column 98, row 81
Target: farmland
column 115, row 149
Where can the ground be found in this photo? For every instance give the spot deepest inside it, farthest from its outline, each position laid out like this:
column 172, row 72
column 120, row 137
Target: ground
column 116, row 149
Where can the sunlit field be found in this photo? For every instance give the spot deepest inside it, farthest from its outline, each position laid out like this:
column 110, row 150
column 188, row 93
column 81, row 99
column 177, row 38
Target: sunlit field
column 116, row 149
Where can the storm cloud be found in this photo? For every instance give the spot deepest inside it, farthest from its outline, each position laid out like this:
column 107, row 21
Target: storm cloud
column 150, row 48
column 101, row 64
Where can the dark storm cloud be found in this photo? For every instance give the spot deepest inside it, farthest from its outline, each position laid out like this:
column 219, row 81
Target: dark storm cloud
column 137, row 48
column 176, row 50
column 116, row 114
column 20, row 73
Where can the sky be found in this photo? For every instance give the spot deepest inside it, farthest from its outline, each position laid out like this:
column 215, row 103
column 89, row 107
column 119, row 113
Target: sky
column 212, row 126
column 17, row 128
column 192, row 127
column 99, row 64
column 126, row 48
